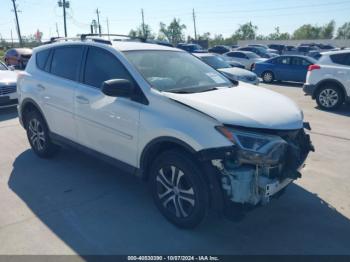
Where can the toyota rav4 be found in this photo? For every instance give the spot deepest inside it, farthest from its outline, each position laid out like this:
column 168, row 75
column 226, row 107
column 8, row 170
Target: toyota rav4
column 202, row 142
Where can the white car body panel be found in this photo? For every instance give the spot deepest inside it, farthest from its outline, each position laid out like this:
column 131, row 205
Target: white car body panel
column 234, row 106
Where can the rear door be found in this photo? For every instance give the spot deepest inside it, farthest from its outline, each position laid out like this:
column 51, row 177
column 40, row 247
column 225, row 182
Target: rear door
column 106, row 124
column 58, row 89
column 299, row 67
column 282, row 68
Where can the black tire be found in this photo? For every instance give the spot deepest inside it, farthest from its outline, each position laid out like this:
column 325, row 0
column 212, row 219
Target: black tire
column 172, row 174
column 268, row 77
column 329, row 97
column 38, row 135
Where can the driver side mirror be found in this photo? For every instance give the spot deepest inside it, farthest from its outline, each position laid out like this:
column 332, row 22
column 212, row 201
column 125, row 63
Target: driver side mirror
column 11, row 68
column 118, row 88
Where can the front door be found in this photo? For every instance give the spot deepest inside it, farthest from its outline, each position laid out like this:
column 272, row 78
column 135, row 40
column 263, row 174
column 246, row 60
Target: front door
column 106, row 124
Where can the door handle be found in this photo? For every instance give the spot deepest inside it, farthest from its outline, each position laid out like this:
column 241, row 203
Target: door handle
column 82, row 100
column 41, row 87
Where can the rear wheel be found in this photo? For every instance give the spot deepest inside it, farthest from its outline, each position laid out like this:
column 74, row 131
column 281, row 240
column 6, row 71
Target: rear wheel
column 179, row 191
column 329, row 97
column 268, row 77
column 38, row 135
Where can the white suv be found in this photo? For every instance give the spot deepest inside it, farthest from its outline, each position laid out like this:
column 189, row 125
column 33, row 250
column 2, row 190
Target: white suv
column 166, row 116
column 329, row 81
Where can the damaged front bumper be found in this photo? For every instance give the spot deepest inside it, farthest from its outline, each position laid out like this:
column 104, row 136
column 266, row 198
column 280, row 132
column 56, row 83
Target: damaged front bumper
column 253, row 177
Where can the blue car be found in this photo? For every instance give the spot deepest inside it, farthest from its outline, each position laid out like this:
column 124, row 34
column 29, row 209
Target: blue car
column 284, row 68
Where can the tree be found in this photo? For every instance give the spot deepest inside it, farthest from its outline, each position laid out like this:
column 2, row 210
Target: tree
column 173, row 32
column 327, row 31
column 308, row 31
column 344, row 31
column 277, row 35
column 246, row 31
column 138, row 32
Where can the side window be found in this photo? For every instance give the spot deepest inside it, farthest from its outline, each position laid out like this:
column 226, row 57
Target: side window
column 283, row 60
column 65, row 62
column 101, row 66
column 41, row 58
column 342, row 59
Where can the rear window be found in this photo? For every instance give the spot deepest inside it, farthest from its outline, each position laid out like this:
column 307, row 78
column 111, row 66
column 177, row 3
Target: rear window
column 41, row 58
column 341, row 59
column 65, row 62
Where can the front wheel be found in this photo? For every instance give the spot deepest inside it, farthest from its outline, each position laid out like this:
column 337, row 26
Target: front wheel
column 38, row 135
column 329, row 97
column 178, row 188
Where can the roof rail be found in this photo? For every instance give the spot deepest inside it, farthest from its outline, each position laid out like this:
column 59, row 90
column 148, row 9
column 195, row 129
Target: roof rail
column 84, row 36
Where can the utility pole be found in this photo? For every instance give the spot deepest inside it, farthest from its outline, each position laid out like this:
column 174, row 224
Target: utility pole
column 98, row 21
column 108, row 29
column 11, row 39
column 58, row 34
column 194, row 24
column 64, row 4
column 18, row 29
column 143, row 24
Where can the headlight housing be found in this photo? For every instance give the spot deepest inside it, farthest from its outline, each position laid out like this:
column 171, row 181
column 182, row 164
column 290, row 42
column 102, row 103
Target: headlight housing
column 254, row 147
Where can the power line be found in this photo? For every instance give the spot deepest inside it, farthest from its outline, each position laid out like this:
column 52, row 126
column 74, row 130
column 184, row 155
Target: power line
column 18, row 28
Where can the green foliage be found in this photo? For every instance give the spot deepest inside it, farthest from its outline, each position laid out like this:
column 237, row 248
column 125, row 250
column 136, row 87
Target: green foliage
column 344, row 31
column 142, row 31
column 246, row 31
column 173, row 32
column 309, row 31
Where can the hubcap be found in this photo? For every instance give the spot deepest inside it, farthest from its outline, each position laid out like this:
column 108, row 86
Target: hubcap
column 36, row 134
column 175, row 191
column 328, row 98
column 268, row 77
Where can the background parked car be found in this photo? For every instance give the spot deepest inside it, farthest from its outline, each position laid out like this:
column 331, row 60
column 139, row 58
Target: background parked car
column 328, row 82
column 284, row 68
column 219, row 49
column 269, row 50
column 258, row 50
column 244, row 57
column 231, row 62
column 191, row 48
column 278, row 48
column 18, row 57
column 8, row 83
column 232, row 73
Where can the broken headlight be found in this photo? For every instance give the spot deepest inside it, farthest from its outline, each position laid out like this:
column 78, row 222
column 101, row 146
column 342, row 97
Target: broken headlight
column 255, row 148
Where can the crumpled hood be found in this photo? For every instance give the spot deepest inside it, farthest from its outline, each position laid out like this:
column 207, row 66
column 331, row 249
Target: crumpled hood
column 246, row 106
column 8, row 77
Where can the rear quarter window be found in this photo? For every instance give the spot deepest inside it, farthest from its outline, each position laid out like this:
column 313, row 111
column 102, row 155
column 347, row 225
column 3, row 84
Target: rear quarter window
column 41, row 58
column 341, row 59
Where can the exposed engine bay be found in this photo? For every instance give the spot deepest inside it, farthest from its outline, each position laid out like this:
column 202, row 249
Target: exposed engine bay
column 261, row 163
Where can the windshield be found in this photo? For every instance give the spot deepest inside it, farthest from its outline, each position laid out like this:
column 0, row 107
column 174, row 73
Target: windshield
column 215, row 62
column 174, row 71
column 252, row 55
column 2, row 66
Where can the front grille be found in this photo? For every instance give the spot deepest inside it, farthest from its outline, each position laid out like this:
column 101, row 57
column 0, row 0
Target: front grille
column 26, row 56
column 251, row 78
column 5, row 90
column 9, row 102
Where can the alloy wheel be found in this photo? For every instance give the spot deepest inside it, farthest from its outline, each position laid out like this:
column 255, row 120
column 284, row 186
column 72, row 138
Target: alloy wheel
column 268, row 77
column 36, row 134
column 175, row 191
column 328, row 98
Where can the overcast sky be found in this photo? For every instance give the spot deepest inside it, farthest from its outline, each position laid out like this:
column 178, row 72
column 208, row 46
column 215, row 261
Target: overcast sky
column 214, row 16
